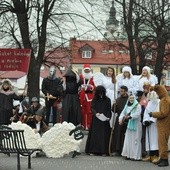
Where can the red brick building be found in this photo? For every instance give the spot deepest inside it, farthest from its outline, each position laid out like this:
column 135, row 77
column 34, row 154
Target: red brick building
column 100, row 54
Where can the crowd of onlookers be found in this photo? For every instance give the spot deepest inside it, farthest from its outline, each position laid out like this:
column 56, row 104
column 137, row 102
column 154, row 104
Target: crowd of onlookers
column 121, row 112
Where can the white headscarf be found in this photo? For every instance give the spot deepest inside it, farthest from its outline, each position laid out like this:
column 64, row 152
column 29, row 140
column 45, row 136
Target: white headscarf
column 147, row 68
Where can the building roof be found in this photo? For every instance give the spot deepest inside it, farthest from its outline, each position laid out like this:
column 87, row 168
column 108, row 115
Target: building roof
column 11, row 74
column 59, row 57
column 104, row 52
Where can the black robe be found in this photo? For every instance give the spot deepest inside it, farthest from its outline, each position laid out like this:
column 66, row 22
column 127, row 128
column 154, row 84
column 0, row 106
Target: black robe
column 99, row 132
column 71, row 111
column 119, row 130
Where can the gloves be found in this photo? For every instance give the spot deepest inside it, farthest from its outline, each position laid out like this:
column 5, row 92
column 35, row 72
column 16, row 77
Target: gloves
column 150, row 114
column 147, row 123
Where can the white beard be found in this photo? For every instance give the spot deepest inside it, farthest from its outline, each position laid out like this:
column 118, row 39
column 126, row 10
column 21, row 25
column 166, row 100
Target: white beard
column 87, row 75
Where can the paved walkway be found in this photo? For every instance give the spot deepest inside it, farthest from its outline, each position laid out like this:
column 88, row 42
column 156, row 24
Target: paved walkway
column 82, row 162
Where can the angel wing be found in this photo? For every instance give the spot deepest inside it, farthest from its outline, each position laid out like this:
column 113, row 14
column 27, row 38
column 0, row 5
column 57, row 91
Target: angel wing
column 98, row 78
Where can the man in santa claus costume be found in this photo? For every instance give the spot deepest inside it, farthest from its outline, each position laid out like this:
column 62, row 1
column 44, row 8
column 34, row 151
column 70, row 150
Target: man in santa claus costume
column 86, row 95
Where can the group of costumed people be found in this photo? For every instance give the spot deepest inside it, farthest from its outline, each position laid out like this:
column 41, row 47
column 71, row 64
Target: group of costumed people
column 125, row 114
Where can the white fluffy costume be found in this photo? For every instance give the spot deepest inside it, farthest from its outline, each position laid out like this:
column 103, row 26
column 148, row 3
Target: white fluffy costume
column 129, row 82
column 150, row 78
column 32, row 140
column 55, row 143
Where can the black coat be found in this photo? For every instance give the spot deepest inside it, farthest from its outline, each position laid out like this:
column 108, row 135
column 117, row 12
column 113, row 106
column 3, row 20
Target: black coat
column 99, row 132
column 32, row 110
column 71, row 111
column 52, row 86
column 6, row 106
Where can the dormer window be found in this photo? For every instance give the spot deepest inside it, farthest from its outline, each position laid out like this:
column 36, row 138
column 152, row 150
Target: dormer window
column 86, row 54
column 86, row 51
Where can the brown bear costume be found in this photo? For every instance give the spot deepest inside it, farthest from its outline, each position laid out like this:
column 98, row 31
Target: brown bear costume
column 163, row 123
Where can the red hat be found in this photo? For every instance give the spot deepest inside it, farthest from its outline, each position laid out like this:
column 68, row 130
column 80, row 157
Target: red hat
column 87, row 66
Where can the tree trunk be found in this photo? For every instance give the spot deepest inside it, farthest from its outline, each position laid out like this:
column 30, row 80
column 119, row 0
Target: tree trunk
column 159, row 59
column 142, row 61
column 33, row 79
column 132, row 56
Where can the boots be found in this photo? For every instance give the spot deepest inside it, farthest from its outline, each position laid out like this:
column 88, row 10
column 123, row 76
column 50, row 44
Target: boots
column 147, row 158
column 155, row 159
column 163, row 162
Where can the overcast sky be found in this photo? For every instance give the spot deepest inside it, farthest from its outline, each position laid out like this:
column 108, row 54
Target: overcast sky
column 97, row 13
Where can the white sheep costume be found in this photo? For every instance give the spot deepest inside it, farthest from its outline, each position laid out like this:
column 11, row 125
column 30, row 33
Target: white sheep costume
column 55, row 143
column 32, row 140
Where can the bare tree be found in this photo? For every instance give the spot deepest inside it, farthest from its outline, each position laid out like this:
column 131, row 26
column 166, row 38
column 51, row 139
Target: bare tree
column 44, row 24
column 40, row 25
column 146, row 24
column 157, row 19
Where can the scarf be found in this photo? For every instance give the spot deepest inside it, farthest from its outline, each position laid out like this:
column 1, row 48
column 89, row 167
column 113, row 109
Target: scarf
column 132, row 123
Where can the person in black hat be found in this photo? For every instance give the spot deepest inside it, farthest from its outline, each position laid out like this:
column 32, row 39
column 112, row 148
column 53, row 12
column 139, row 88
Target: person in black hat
column 35, row 105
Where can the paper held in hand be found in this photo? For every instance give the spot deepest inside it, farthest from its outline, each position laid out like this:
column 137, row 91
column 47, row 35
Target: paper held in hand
column 102, row 117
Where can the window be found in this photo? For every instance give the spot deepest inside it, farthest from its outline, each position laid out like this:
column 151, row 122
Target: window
column 107, row 51
column 86, row 54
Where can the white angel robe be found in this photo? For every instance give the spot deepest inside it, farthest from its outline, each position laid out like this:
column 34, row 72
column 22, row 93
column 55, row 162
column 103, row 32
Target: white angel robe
column 141, row 81
column 132, row 141
column 105, row 81
column 130, row 83
column 151, row 131
column 111, row 90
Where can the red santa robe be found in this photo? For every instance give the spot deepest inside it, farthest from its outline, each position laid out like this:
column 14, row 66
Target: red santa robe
column 86, row 95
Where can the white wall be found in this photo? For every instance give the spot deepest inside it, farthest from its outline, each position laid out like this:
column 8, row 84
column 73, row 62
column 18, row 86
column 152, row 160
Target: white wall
column 19, row 84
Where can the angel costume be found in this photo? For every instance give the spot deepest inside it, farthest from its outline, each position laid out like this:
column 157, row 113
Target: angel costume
column 111, row 91
column 151, row 130
column 105, row 81
column 152, row 80
column 132, row 142
column 130, row 82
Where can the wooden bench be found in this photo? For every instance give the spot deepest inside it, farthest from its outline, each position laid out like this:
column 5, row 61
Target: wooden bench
column 13, row 141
